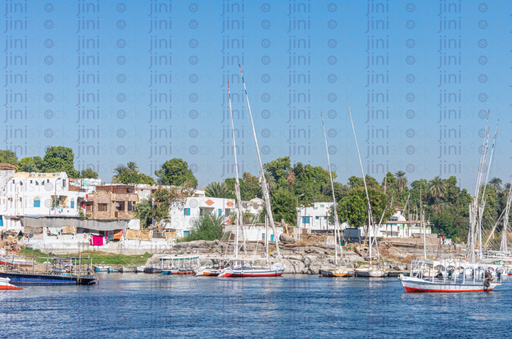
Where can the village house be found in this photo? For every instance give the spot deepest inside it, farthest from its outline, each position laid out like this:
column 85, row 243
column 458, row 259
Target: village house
column 315, row 217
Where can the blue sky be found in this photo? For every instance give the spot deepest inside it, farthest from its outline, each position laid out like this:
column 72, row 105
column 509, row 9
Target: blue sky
column 299, row 58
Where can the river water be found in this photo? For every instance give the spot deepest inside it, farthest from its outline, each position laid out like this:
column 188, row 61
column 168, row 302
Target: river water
column 293, row 306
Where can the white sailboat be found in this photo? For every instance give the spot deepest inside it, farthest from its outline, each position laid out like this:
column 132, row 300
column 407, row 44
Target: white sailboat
column 241, row 269
column 368, row 272
column 476, row 277
column 338, row 271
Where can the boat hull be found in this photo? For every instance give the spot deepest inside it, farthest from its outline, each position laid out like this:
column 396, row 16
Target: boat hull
column 417, row 286
column 371, row 273
column 47, row 279
column 251, row 274
column 336, row 274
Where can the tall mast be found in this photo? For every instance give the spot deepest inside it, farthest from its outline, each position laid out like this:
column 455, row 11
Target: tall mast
column 504, row 247
column 336, row 223
column 264, row 186
column 483, row 201
column 239, row 222
column 370, row 217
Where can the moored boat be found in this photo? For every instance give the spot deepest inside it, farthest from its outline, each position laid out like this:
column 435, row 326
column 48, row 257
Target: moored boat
column 338, row 273
column 101, row 268
column 6, row 286
column 48, row 279
column 245, row 271
column 13, row 261
column 371, row 272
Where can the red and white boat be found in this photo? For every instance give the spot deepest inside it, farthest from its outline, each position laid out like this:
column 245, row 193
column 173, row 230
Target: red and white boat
column 457, row 283
column 245, row 271
column 15, row 262
column 6, row 286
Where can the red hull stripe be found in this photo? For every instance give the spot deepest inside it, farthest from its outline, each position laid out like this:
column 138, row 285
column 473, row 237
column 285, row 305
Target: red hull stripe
column 421, row 290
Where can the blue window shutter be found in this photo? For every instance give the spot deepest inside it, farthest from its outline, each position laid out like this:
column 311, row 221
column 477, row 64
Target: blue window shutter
column 1, row 221
column 271, row 237
column 220, row 212
column 72, row 204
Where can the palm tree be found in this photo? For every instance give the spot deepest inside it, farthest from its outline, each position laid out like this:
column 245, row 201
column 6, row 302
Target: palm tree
column 132, row 166
column 117, row 172
column 401, row 181
column 496, row 182
column 271, row 181
column 507, row 187
column 217, row 190
column 437, row 188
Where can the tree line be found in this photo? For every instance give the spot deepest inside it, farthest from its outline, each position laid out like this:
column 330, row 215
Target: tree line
column 445, row 204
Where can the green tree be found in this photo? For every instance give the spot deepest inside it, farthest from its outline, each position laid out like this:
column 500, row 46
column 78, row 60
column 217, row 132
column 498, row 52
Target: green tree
column 206, row 227
column 130, row 174
column 401, row 181
column 8, row 157
column 283, row 206
column 217, row 190
column 88, row 173
column 353, row 210
column 31, row 164
column 175, row 172
column 496, row 182
column 146, row 179
column 60, row 159
column 250, row 188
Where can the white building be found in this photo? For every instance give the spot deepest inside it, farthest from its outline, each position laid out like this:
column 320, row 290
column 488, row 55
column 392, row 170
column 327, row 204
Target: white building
column 37, row 194
column 315, row 217
column 6, row 171
column 398, row 226
column 182, row 220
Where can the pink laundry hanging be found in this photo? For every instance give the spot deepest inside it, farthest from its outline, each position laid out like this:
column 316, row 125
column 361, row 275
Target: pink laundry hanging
column 96, row 241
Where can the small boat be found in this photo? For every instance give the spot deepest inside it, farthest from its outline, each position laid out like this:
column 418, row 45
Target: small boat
column 6, row 286
column 110, row 270
column 339, row 273
column 208, row 272
column 370, row 272
column 102, row 268
column 139, row 269
column 57, row 270
column 5, row 260
column 152, row 270
column 48, row 279
column 179, row 265
column 123, row 269
column 246, row 271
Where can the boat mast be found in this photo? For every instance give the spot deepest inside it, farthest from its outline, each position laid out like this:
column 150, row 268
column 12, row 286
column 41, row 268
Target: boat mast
column 239, row 222
column 483, row 201
column 264, row 186
column 336, row 223
column 504, row 247
column 370, row 218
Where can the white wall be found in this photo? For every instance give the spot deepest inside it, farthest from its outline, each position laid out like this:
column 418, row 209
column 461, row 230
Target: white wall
column 318, row 216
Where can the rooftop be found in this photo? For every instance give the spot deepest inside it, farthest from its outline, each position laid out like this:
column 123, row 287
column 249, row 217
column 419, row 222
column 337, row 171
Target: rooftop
column 4, row 166
column 25, row 175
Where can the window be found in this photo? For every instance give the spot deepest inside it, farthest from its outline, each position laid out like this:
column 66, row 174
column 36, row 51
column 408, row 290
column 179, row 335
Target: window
column 30, row 181
column 37, row 202
column 220, row 212
column 271, row 237
column 130, row 205
column 72, row 203
column 1, row 221
column 120, row 206
column 262, row 236
column 185, row 233
column 186, row 211
column 102, row 207
column 317, row 218
column 305, row 220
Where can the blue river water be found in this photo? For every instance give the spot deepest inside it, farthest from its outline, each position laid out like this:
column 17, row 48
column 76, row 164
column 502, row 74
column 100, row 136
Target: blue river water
column 293, row 306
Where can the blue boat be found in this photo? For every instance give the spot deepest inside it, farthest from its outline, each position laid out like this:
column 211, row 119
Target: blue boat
column 47, row 279
column 102, row 268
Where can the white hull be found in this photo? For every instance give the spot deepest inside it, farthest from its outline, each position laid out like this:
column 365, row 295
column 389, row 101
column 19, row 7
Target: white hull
column 415, row 285
column 371, row 273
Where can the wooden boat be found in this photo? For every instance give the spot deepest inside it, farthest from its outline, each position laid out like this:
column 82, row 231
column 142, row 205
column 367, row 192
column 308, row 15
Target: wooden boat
column 6, row 286
column 337, row 273
column 208, row 272
column 152, row 270
column 123, row 269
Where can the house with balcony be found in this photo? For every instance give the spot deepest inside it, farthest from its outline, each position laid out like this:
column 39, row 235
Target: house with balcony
column 315, row 217
column 37, row 195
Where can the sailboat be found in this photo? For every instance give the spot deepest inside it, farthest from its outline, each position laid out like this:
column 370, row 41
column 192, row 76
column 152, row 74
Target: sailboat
column 476, row 277
column 242, row 270
column 369, row 272
column 339, row 272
